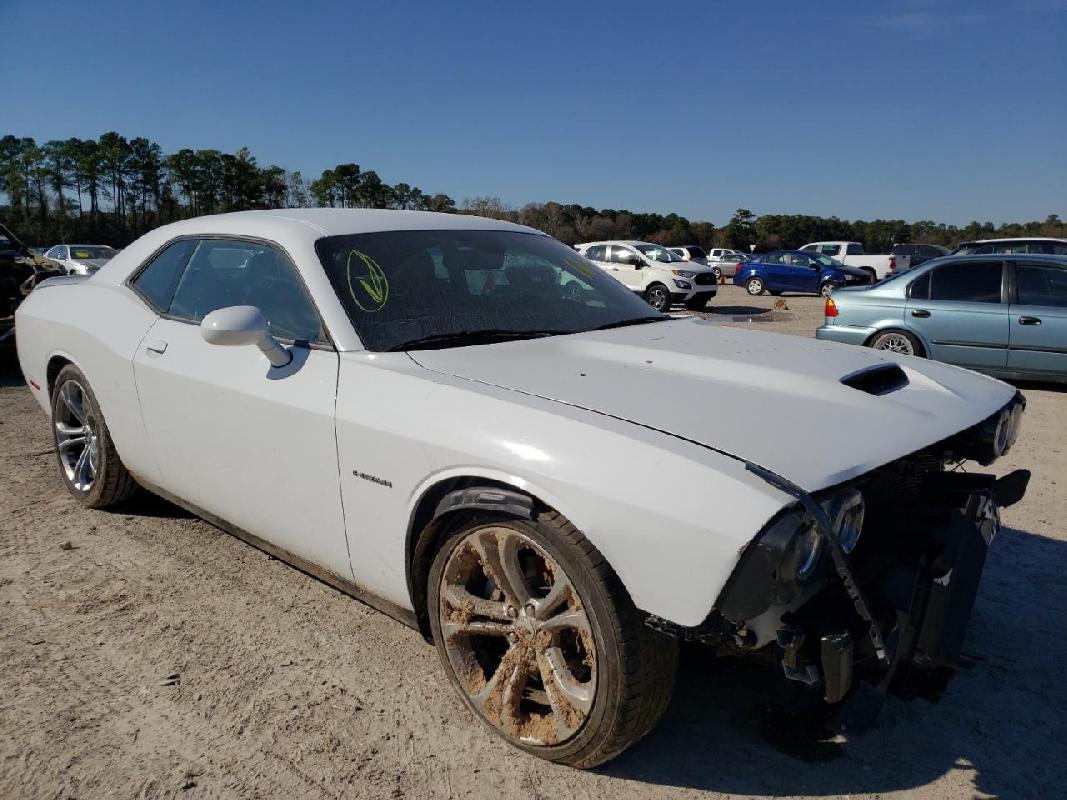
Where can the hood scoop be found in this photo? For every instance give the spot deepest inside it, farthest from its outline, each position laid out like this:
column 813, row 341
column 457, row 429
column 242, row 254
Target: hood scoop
column 877, row 380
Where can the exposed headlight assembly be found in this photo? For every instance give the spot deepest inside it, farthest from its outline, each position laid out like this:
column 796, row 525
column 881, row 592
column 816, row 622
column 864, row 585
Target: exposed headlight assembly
column 786, row 556
column 998, row 433
column 683, row 273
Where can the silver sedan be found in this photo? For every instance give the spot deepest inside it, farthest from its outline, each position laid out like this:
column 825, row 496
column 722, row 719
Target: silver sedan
column 1005, row 315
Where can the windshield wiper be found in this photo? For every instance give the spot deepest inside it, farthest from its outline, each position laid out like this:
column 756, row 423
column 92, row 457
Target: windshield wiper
column 627, row 322
column 463, row 338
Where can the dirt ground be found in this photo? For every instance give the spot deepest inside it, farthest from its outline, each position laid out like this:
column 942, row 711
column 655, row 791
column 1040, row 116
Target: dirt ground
column 159, row 657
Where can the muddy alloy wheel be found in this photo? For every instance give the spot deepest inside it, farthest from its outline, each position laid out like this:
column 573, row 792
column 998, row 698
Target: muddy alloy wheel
column 517, row 637
column 542, row 641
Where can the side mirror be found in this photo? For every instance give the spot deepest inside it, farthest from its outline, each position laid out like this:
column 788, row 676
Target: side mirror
column 242, row 325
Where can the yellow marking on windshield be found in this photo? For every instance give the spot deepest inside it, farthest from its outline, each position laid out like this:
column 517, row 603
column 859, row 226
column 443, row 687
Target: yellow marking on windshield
column 373, row 287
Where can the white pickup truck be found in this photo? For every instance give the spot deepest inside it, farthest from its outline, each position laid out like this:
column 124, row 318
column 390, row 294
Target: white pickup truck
column 851, row 253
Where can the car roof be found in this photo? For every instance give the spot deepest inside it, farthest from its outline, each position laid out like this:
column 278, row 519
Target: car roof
column 1012, row 239
column 631, row 242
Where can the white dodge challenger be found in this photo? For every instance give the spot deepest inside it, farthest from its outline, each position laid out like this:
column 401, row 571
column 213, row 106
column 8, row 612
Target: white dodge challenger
column 470, row 427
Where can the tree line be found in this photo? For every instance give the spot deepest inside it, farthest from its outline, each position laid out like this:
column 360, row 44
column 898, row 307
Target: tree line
column 112, row 189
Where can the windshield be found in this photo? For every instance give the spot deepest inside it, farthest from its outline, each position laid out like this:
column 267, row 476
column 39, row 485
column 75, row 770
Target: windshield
column 658, row 253
column 91, row 252
column 412, row 289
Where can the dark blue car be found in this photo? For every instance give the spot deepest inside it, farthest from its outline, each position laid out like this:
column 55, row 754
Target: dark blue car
column 796, row 271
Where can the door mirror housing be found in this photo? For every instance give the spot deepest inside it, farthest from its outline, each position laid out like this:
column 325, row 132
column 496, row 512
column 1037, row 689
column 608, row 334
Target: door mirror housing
column 243, row 325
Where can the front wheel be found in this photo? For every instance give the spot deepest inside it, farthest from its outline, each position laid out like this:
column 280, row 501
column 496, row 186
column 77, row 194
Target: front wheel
column 541, row 640
column 755, row 286
column 658, row 296
column 897, row 342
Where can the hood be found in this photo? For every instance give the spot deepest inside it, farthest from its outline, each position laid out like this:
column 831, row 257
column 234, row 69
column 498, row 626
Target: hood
column 771, row 399
column 855, row 272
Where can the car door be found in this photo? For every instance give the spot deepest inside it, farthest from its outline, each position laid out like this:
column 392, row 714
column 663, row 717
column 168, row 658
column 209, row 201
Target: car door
column 958, row 308
column 802, row 273
column 626, row 268
column 1037, row 339
column 243, row 441
column 776, row 271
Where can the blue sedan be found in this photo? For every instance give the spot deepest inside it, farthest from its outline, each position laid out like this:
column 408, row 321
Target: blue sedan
column 796, row 271
column 1003, row 314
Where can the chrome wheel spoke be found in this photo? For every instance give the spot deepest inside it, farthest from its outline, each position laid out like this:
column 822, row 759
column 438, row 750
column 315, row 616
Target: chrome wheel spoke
column 73, row 397
column 500, row 560
column 465, row 602
column 576, row 620
column 561, row 685
column 81, row 468
column 63, row 429
column 67, row 444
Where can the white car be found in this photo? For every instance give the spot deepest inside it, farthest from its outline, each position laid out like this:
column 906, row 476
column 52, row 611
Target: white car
column 654, row 272
column 726, row 261
column 851, row 254
column 414, row 408
column 80, row 259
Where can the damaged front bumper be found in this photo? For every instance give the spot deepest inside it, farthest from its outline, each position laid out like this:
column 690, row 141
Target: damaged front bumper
column 859, row 616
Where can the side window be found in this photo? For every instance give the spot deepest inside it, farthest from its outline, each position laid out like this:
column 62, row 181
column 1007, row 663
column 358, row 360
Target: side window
column 1049, row 248
column 156, row 282
column 809, row 248
column 919, row 289
column 52, row 253
column 970, row 281
column 620, row 255
column 830, row 249
column 232, row 272
column 1041, row 285
column 596, row 253
column 799, row 260
column 775, row 258
column 854, row 250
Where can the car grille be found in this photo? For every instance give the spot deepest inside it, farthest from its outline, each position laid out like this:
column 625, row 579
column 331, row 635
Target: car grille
column 704, row 278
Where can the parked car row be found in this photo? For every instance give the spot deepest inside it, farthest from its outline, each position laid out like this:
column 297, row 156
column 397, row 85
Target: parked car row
column 654, row 271
column 1006, row 315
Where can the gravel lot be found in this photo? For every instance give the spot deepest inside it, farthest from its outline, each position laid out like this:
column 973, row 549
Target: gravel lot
column 160, row 657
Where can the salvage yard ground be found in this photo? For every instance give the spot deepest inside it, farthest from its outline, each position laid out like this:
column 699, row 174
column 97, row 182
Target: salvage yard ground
column 158, row 657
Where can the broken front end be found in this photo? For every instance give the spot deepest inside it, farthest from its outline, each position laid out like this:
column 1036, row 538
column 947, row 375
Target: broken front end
column 867, row 588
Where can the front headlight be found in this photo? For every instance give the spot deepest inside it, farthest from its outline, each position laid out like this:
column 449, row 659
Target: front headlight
column 683, row 273
column 846, row 511
column 683, row 284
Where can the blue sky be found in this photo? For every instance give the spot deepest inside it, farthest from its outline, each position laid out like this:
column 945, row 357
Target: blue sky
column 950, row 111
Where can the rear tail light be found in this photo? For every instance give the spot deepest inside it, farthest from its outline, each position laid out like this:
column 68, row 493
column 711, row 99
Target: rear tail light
column 830, row 309
column 892, row 262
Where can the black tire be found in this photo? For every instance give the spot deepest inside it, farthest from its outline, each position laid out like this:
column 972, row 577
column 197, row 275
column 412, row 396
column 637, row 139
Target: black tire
column 658, row 296
column 697, row 302
column 111, row 482
column 870, row 272
column 755, row 286
column 897, row 341
column 827, row 288
column 635, row 665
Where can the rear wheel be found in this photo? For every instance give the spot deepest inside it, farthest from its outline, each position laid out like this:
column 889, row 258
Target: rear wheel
column 827, row 288
column 718, row 274
column 658, row 296
column 755, row 286
column 542, row 641
column 88, row 463
column 897, row 342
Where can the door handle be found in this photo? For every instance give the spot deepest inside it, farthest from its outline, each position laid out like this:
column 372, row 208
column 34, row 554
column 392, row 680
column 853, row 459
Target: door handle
column 156, row 346
column 1029, row 321
column 920, row 312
